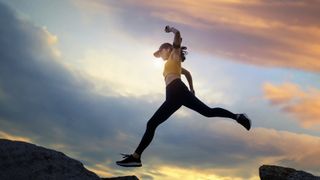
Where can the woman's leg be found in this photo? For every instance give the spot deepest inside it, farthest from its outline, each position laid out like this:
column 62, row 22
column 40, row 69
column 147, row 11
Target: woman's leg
column 162, row 114
column 192, row 102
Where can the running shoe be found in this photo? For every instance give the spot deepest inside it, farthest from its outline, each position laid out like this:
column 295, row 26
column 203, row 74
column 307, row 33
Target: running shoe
column 244, row 121
column 129, row 161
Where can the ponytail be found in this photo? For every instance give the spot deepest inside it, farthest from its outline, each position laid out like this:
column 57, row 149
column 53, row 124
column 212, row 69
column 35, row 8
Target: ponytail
column 184, row 52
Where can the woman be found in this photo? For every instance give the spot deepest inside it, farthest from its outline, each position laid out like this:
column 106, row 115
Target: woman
column 177, row 94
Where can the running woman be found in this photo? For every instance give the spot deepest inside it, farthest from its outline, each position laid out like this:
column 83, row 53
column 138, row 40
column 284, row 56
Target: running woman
column 177, row 94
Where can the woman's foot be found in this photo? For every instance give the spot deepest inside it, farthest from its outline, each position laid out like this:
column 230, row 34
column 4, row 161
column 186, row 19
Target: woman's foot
column 129, row 161
column 244, row 121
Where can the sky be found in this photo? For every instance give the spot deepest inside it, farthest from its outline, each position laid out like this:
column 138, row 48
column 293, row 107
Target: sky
column 79, row 76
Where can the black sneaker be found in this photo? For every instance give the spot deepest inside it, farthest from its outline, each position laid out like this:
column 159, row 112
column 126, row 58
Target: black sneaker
column 244, row 121
column 129, row 161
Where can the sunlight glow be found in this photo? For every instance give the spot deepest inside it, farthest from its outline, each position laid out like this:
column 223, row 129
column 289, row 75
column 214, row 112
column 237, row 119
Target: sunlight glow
column 158, row 63
column 172, row 172
column 5, row 135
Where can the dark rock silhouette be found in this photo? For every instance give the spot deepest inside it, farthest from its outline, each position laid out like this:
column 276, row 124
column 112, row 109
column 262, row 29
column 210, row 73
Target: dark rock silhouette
column 21, row 160
column 271, row 172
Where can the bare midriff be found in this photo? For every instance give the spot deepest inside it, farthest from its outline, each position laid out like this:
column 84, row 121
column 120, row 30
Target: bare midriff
column 171, row 77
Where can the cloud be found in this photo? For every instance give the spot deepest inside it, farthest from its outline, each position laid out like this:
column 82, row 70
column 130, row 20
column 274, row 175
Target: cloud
column 282, row 94
column 269, row 34
column 303, row 104
column 172, row 172
column 42, row 100
column 112, row 71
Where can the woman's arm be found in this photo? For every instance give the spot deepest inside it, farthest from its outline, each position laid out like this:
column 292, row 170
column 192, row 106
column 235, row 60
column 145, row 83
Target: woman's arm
column 175, row 54
column 187, row 74
column 177, row 37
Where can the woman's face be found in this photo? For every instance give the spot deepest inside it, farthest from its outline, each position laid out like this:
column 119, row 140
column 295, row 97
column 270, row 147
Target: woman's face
column 165, row 53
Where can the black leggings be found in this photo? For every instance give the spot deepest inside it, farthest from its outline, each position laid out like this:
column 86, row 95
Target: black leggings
column 178, row 94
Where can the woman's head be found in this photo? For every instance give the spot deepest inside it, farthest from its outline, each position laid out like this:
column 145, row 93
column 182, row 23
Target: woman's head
column 165, row 50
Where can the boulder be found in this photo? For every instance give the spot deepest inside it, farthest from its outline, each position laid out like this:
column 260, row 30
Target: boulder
column 271, row 172
column 21, row 160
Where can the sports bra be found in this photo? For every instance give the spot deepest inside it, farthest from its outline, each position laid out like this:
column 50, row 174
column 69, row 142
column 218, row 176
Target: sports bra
column 173, row 63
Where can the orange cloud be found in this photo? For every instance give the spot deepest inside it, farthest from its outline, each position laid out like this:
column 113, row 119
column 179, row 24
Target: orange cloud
column 282, row 94
column 267, row 40
column 304, row 105
column 275, row 34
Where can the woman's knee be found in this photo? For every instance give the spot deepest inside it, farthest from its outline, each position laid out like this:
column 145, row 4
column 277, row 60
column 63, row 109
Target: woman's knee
column 210, row 112
column 206, row 112
column 151, row 126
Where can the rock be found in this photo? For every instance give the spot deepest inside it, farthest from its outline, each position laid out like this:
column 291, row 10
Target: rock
column 268, row 172
column 21, row 160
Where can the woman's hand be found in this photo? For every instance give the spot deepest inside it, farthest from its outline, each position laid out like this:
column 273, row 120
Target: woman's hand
column 168, row 29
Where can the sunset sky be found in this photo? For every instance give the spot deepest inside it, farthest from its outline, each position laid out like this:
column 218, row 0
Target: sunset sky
column 79, row 76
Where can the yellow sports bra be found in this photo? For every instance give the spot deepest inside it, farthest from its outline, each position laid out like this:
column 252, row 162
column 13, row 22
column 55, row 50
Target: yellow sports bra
column 173, row 64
